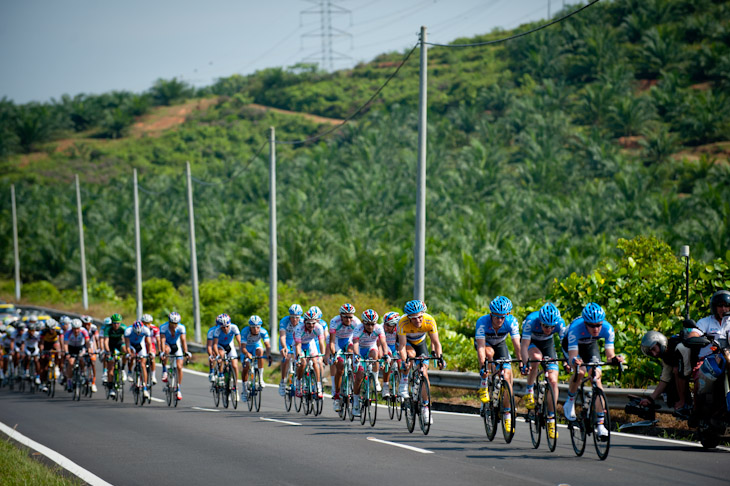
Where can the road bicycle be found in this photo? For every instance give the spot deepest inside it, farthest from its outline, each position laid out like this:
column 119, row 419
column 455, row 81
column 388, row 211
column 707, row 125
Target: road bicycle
column 117, row 383
column 589, row 406
column 138, row 383
column 418, row 403
column 394, row 401
column 10, row 375
column 311, row 402
column 225, row 385
column 346, row 385
column 76, row 378
column 88, row 375
column 545, row 406
column 368, row 393
column 49, row 380
column 253, row 390
column 290, row 388
column 501, row 397
column 172, row 386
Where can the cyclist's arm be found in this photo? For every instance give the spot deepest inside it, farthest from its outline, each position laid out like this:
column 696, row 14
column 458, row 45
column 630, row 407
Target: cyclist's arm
column 516, row 345
column 214, row 347
column 356, row 346
column 524, row 348
column 332, row 343
column 126, row 343
column 282, row 342
column 184, row 342
column 148, row 342
column 435, row 342
column 384, row 349
column 402, row 347
column 322, row 342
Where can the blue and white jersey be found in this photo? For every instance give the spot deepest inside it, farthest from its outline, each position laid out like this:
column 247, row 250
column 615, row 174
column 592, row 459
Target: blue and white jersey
column 254, row 340
column 211, row 333
column 226, row 338
column 137, row 339
column 340, row 330
column 485, row 329
column 532, row 328
column 304, row 337
column 169, row 337
column 8, row 336
column 711, row 326
column 30, row 341
column 368, row 340
column 287, row 324
column 578, row 334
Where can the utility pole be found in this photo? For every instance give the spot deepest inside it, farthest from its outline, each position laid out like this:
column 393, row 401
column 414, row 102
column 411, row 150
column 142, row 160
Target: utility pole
column 420, row 248
column 273, row 278
column 137, row 245
column 15, row 244
column 84, row 291
column 193, row 258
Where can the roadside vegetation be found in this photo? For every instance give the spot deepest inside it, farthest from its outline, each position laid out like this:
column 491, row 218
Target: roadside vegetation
column 19, row 469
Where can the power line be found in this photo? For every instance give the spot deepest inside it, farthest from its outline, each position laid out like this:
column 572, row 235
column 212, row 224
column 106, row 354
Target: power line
column 235, row 174
column 497, row 41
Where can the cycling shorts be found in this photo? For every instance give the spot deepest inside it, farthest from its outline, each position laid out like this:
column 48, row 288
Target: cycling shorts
column 501, row 352
column 547, row 348
column 230, row 350
column 421, row 348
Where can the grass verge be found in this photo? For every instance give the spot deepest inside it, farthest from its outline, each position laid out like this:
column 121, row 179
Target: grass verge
column 19, row 468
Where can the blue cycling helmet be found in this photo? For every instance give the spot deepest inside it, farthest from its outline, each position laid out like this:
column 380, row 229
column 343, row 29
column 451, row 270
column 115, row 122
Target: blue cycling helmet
column 549, row 315
column 500, row 305
column 255, row 321
column 295, row 310
column 391, row 318
column 137, row 327
column 317, row 312
column 593, row 313
column 370, row 317
column 107, row 321
column 223, row 320
column 414, row 307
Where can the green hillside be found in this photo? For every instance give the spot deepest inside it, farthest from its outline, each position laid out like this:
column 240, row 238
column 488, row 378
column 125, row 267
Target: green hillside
column 542, row 153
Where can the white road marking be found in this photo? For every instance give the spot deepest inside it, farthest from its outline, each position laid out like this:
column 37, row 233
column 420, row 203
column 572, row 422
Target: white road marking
column 396, row 444
column 62, row 461
column 157, row 400
column 206, row 409
column 279, row 421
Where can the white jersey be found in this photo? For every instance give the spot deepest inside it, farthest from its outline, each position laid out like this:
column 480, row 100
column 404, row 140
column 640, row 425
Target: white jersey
column 341, row 331
column 711, row 326
column 368, row 340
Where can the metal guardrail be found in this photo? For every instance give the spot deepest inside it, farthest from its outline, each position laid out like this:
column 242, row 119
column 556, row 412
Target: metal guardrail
column 617, row 397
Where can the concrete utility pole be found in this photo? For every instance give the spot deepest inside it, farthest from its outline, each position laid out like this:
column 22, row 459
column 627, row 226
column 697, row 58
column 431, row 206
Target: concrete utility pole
column 138, row 247
column 193, row 258
column 15, row 244
column 84, row 292
column 420, row 248
column 273, row 278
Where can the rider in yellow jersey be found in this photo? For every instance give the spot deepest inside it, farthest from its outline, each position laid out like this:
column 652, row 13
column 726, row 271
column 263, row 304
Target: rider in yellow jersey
column 412, row 330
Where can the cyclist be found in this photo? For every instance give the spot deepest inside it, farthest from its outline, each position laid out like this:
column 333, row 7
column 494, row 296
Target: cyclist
column 368, row 342
column 308, row 340
column 342, row 327
column 7, row 342
column 223, row 339
column 413, row 327
column 52, row 342
column 255, row 338
column 87, row 322
column 174, row 343
column 113, row 343
column 656, row 345
column 137, row 339
column 75, row 343
column 390, row 327
column 538, row 331
column 491, row 339
column 580, row 345
column 212, row 350
column 147, row 320
column 286, row 341
column 30, row 348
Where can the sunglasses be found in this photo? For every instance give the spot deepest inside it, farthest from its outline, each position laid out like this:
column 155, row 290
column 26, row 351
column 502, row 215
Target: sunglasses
column 594, row 326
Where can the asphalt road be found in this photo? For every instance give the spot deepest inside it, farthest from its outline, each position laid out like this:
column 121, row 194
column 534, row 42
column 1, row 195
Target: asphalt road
column 196, row 444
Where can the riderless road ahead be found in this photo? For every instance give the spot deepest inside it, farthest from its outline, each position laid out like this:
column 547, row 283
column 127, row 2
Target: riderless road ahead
column 196, row 444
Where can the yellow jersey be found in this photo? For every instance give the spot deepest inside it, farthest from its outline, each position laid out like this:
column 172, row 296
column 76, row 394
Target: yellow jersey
column 51, row 334
column 413, row 334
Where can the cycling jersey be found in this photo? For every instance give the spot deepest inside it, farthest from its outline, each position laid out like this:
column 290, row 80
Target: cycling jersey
column 136, row 339
column 342, row 333
column 172, row 337
column 391, row 338
column 287, row 325
column 492, row 337
column 211, row 332
column 367, row 340
column 51, row 334
column 711, row 326
column 154, row 335
column 413, row 334
column 308, row 340
column 76, row 340
column 254, row 341
column 532, row 328
column 226, row 338
column 578, row 334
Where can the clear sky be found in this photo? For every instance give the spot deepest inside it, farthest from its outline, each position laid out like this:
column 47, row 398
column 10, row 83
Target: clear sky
column 54, row 47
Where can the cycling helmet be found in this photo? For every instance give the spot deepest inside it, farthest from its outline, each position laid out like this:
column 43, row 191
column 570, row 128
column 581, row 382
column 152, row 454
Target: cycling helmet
column 223, row 320
column 3, row 328
column 255, row 321
column 719, row 297
column 107, row 321
column 593, row 313
column 347, row 309
column 64, row 320
column 174, row 317
column 76, row 323
column 311, row 315
column 137, row 326
column 391, row 318
column 147, row 318
column 86, row 319
column 500, row 305
column 413, row 307
column 369, row 317
column 33, row 319
column 116, row 318
column 549, row 315
column 650, row 339
column 295, row 310
column 317, row 312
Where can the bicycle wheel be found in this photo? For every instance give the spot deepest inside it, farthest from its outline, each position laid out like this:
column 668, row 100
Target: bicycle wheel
column 51, row 383
column 216, row 389
column 425, row 390
column 373, row 405
column 250, row 394
column 390, row 400
column 175, row 385
column 77, row 384
column 309, row 394
column 507, row 396
column 226, row 391
column 577, row 428
column 490, row 413
column 409, row 407
column 364, row 400
column 234, row 392
column 547, row 400
column 288, row 394
column 257, row 386
column 599, row 405
column 534, row 418
column 298, row 401
column 135, row 386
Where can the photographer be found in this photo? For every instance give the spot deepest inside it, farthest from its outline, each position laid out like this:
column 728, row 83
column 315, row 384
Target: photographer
column 656, row 345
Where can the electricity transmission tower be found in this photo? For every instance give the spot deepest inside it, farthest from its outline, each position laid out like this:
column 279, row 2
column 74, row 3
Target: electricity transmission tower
column 326, row 9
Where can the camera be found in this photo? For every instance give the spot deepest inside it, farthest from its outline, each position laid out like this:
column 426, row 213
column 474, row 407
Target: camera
column 633, row 408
